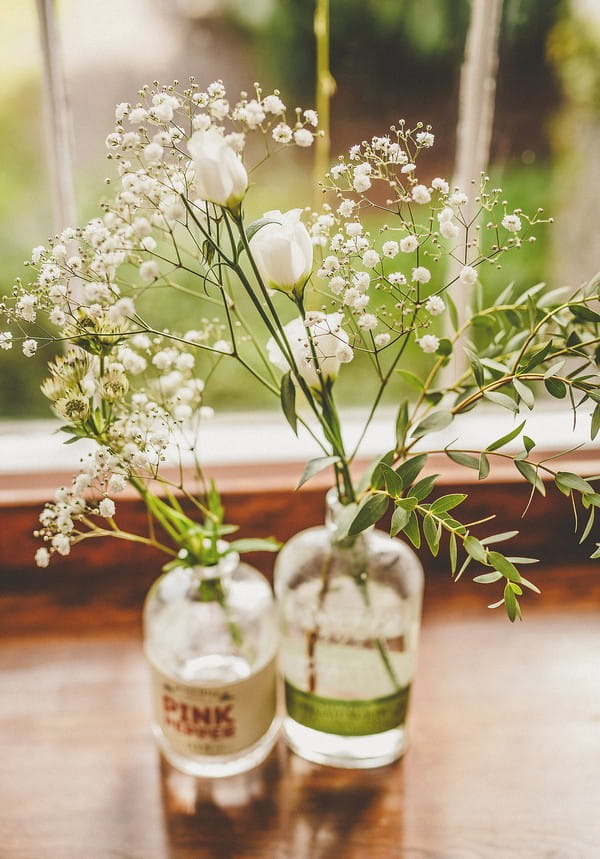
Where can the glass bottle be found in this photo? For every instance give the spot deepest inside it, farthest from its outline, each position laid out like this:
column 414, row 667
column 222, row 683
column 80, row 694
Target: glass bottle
column 350, row 611
column 211, row 637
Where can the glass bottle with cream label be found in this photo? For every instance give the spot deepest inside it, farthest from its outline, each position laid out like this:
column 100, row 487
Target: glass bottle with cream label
column 350, row 610
column 211, row 638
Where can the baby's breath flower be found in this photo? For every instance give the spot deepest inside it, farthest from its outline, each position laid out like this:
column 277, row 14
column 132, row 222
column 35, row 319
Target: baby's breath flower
column 512, row 223
column 435, row 305
column 409, row 244
column 420, row 274
column 6, row 340
column 282, row 133
column 29, row 348
column 467, row 275
column 425, row 139
column 273, row 104
column 106, row 508
column 367, row 321
column 390, row 249
column 42, row 557
column 149, row 270
column 361, row 183
column 370, row 258
column 346, row 208
column 449, row 229
column 354, row 229
column 429, row 343
column 223, row 346
column 421, row 194
column 337, row 171
column 382, row 340
column 440, row 185
column 303, row 137
column 458, row 198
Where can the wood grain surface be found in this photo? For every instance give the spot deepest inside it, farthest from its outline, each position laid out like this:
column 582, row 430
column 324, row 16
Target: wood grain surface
column 504, row 761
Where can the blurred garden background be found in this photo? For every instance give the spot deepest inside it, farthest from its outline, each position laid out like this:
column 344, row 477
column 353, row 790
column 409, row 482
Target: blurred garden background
column 389, row 58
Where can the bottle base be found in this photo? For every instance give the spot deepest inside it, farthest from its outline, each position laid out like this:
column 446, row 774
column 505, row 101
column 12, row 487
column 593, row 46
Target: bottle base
column 219, row 766
column 374, row 750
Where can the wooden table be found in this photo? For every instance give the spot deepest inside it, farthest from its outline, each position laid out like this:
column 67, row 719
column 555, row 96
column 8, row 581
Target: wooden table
column 504, row 760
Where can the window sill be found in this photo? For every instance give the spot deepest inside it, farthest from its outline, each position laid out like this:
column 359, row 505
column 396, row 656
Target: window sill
column 257, row 482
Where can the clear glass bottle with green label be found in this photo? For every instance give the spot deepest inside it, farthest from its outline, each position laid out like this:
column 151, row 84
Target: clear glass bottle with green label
column 211, row 637
column 350, row 611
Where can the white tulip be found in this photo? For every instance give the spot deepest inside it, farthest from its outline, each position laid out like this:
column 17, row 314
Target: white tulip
column 283, row 251
column 331, row 346
column 220, row 176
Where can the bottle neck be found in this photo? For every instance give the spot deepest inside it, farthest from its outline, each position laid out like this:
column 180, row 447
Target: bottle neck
column 336, row 522
column 221, row 570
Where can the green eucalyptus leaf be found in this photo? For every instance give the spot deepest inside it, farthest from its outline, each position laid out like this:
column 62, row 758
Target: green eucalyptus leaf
column 407, row 503
column 511, row 603
column 400, row 518
column 447, row 502
column 393, row 483
column 476, row 367
column 288, row 401
column 411, row 529
column 421, row 490
column 314, row 466
column 368, row 476
column 568, row 480
column 527, row 584
column 583, row 313
column 452, row 548
column 498, row 538
column 505, row 438
column 411, row 469
column 370, row 510
column 401, row 424
column 475, row 549
column 495, row 366
column 554, row 369
column 531, row 475
column 503, row 565
column 497, row 604
column 586, row 531
column 536, row 357
column 465, row 564
column 444, row 348
column 452, row 311
column 484, row 466
column 556, row 388
column 433, row 423
column 525, row 393
column 502, row 400
column 431, row 531
column 460, row 458
column 488, row 578
column 532, row 311
column 411, row 378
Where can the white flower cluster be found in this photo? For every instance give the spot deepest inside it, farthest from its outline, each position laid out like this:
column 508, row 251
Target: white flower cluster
column 392, row 282
column 63, row 521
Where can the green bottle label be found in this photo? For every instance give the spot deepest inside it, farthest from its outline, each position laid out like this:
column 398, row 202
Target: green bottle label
column 347, row 718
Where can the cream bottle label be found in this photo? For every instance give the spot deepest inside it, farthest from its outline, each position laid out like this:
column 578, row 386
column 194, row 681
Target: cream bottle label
column 214, row 720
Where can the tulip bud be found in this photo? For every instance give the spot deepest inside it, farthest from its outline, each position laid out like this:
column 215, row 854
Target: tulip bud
column 283, row 252
column 220, row 176
column 329, row 341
